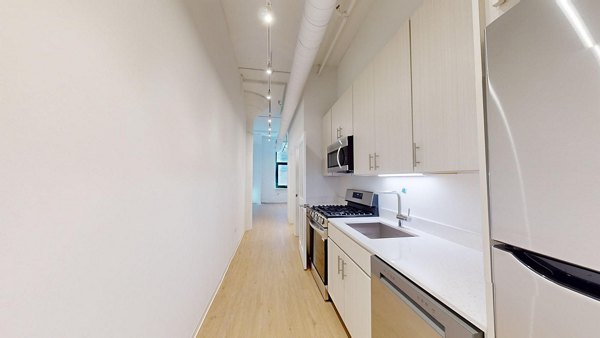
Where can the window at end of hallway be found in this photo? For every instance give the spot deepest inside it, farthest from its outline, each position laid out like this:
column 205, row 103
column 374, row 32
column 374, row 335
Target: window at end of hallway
column 281, row 169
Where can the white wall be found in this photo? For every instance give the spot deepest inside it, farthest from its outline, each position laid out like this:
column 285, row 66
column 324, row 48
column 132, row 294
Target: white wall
column 249, row 189
column 257, row 172
column 319, row 96
column 121, row 136
column 295, row 134
column 269, row 193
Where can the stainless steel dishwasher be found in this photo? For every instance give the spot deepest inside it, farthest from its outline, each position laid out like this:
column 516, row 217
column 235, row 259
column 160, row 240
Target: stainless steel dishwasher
column 399, row 308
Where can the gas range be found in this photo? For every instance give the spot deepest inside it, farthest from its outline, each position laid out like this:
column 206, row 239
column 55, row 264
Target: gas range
column 330, row 211
column 359, row 204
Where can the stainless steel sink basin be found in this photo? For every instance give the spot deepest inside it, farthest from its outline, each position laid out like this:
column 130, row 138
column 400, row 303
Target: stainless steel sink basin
column 379, row 230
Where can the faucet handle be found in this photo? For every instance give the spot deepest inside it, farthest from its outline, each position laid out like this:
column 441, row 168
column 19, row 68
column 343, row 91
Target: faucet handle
column 408, row 212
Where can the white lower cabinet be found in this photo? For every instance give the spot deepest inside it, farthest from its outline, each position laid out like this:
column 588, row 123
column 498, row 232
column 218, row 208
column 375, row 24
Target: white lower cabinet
column 357, row 290
column 350, row 290
column 335, row 280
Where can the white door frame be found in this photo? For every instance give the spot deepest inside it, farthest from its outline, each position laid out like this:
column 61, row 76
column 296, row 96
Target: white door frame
column 300, row 223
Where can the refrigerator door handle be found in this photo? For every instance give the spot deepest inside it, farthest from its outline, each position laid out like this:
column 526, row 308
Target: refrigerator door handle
column 578, row 279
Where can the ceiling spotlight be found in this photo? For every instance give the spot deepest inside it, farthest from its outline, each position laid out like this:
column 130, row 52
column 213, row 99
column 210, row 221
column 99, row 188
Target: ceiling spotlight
column 269, row 120
column 269, row 69
column 268, row 16
column 269, row 95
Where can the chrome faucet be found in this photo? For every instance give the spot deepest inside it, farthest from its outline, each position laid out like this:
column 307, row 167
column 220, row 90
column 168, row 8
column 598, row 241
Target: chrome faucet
column 401, row 217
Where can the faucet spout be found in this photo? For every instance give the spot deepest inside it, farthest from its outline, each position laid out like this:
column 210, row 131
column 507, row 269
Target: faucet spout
column 400, row 216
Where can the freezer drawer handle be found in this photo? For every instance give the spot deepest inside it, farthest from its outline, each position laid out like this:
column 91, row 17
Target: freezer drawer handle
column 578, row 279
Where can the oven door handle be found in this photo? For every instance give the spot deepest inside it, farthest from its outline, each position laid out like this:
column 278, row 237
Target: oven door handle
column 318, row 229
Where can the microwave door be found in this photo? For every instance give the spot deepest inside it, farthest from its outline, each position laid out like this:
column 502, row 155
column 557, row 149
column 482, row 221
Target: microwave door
column 334, row 163
column 339, row 156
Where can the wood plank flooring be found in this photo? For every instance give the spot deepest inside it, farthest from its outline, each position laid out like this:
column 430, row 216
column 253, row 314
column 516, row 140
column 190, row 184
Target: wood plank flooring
column 266, row 293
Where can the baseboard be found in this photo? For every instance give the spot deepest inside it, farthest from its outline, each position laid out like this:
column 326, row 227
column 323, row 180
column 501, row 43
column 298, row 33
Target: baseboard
column 218, row 288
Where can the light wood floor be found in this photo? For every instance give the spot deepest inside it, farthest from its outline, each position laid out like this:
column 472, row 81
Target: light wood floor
column 266, row 293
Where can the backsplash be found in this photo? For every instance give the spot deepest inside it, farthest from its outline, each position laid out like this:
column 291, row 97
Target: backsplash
column 447, row 206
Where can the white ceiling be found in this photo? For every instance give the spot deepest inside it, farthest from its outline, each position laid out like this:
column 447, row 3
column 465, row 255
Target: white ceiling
column 249, row 37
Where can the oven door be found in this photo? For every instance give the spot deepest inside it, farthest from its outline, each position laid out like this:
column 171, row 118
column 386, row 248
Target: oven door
column 318, row 255
column 340, row 158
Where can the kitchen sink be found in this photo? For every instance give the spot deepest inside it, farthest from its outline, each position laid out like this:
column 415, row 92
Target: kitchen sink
column 379, row 230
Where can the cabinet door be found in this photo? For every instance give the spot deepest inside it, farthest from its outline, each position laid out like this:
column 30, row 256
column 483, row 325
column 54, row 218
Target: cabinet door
column 335, row 283
column 444, row 85
column 342, row 115
column 364, row 130
column 358, row 300
column 392, row 106
column 325, row 140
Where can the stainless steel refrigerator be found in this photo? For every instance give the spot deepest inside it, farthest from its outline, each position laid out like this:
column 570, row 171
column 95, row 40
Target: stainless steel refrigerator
column 543, row 139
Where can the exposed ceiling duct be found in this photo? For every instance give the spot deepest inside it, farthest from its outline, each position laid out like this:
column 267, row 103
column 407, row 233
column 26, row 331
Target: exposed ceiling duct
column 317, row 14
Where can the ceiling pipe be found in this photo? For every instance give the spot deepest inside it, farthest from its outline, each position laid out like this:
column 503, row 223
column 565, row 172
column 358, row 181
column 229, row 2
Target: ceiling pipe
column 317, row 14
column 345, row 15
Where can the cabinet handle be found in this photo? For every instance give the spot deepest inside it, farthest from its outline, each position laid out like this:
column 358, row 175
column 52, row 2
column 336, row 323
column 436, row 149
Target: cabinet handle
column 375, row 158
column 339, row 269
column 343, row 269
column 340, row 133
column 370, row 162
column 415, row 162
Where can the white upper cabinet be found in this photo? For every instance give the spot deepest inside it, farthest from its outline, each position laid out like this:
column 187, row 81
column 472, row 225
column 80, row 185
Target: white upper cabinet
column 392, row 106
column 341, row 116
column 382, row 111
column 364, row 127
column 444, row 86
column 326, row 139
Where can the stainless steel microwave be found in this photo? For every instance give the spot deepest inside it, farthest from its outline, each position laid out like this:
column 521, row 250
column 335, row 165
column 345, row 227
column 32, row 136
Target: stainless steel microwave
column 340, row 156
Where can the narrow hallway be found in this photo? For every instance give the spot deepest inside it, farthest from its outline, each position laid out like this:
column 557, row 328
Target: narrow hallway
column 266, row 293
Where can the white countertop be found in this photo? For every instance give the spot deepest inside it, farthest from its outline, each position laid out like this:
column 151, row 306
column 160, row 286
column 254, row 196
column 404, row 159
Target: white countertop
column 450, row 272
